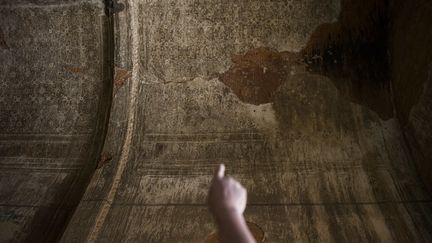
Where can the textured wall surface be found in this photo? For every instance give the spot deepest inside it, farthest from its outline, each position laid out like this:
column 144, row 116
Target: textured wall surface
column 205, row 82
column 295, row 97
column 412, row 78
column 52, row 111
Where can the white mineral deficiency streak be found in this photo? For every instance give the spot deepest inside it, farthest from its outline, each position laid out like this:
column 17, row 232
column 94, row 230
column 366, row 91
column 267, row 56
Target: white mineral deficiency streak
column 106, row 205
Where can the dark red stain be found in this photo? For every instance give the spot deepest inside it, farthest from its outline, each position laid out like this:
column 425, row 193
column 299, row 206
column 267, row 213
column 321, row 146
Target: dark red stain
column 351, row 52
column 104, row 159
column 256, row 75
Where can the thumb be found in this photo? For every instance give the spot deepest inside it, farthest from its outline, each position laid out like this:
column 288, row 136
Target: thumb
column 220, row 172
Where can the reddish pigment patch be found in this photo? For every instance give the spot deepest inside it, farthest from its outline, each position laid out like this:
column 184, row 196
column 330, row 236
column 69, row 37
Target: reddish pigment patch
column 74, row 69
column 120, row 77
column 3, row 43
column 256, row 75
column 105, row 157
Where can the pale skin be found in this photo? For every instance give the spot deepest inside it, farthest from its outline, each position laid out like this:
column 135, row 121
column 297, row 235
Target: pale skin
column 227, row 202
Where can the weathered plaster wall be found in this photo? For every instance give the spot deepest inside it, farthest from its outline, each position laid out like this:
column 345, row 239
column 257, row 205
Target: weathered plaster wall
column 411, row 57
column 253, row 84
column 54, row 81
column 293, row 96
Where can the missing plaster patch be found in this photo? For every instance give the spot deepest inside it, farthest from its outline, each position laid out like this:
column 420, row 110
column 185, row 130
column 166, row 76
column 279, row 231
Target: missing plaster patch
column 255, row 76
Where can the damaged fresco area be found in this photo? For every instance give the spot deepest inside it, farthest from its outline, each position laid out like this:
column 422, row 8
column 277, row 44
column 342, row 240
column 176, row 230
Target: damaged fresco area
column 270, row 89
column 351, row 52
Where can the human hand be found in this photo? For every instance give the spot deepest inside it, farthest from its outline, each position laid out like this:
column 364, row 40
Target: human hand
column 226, row 196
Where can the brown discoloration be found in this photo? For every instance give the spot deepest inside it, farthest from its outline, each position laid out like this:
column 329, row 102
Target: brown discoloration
column 256, row 231
column 120, row 77
column 105, row 157
column 74, row 69
column 256, row 75
column 353, row 54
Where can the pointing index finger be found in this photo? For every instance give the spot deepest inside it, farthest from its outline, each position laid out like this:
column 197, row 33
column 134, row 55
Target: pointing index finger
column 220, row 172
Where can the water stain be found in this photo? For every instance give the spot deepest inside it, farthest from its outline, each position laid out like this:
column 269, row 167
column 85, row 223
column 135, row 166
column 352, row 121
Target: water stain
column 351, row 52
column 256, row 231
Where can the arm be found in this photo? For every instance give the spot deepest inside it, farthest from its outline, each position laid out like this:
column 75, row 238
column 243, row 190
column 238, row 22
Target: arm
column 227, row 202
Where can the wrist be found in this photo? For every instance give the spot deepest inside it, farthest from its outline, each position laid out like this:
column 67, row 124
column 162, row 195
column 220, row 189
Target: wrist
column 225, row 217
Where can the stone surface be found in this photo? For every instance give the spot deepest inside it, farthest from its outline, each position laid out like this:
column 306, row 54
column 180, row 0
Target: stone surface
column 293, row 96
column 52, row 109
column 320, row 165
